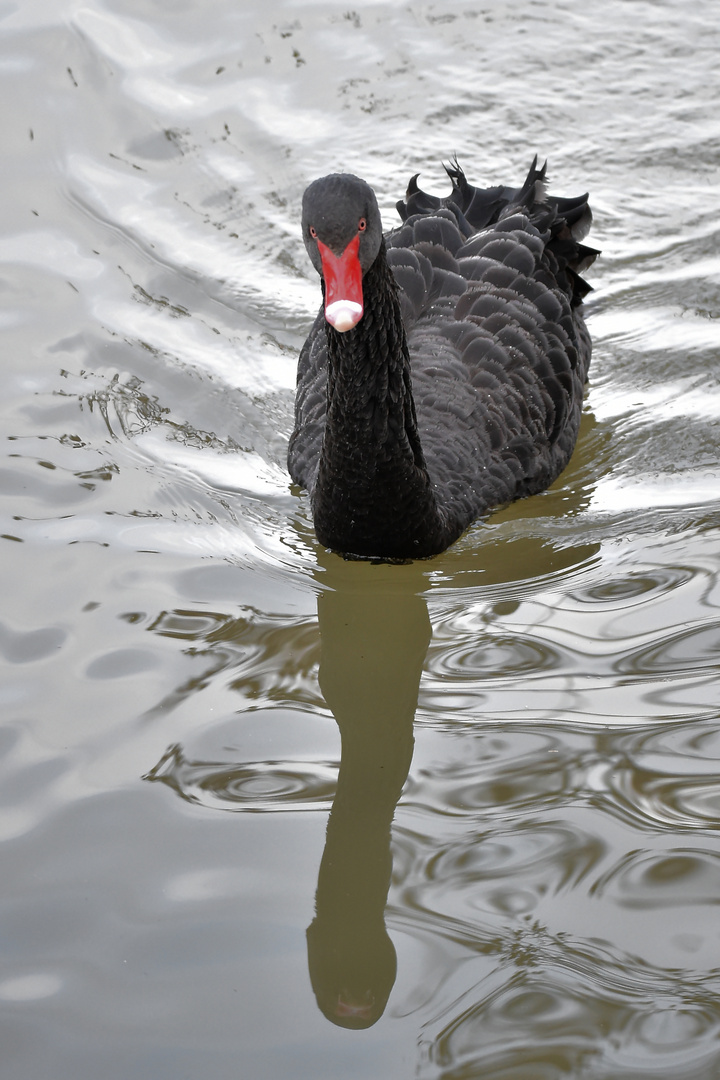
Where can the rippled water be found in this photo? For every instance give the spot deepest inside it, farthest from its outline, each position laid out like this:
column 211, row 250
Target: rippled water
column 190, row 684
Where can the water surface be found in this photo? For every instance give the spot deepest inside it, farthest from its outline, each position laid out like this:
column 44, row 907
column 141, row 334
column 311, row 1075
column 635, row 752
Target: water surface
column 191, row 685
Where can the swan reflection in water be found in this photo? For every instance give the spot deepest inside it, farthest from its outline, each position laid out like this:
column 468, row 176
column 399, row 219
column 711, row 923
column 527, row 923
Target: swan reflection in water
column 375, row 631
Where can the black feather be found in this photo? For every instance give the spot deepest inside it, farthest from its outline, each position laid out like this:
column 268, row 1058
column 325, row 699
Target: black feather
column 461, row 386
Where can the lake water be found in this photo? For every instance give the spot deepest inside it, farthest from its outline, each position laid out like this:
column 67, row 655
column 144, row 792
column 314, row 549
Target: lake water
column 536, row 711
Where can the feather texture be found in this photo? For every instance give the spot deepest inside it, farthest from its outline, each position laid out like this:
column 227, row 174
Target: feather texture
column 461, row 386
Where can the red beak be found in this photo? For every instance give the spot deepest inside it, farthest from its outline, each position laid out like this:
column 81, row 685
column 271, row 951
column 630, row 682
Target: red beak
column 343, row 285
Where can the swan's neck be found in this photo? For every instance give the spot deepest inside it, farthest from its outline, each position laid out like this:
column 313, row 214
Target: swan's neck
column 373, row 496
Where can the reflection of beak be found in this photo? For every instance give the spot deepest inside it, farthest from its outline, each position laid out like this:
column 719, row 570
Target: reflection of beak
column 352, row 1008
column 343, row 285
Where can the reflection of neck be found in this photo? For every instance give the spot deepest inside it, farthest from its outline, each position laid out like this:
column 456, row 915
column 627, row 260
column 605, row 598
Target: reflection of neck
column 373, row 647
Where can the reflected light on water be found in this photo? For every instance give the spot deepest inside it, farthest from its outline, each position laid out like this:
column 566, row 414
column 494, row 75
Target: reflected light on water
column 449, row 820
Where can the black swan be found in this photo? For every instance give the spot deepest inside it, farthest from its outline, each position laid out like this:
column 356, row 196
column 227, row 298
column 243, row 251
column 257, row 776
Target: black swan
column 445, row 372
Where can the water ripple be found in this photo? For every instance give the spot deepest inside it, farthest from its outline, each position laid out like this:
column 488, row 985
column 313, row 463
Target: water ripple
column 670, row 878
column 528, row 1004
column 499, row 657
column 540, row 1025
column 502, row 772
column 627, row 589
column 694, row 649
column 668, row 778
column 503, row 873
column 256, row 787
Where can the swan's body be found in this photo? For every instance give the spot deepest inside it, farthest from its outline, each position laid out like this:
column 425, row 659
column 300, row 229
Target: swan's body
column 453, row 381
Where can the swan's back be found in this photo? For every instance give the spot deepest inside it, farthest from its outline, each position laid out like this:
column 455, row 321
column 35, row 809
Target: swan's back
column 491, row 298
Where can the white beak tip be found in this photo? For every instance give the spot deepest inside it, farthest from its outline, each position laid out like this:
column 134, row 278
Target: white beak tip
column 343, row 314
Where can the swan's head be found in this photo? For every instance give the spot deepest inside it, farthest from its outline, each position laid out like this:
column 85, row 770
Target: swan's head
column 342, row 233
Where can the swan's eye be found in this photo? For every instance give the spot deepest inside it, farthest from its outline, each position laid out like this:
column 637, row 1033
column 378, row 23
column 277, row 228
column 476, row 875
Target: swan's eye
column 313, row 233
column 362, row 225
